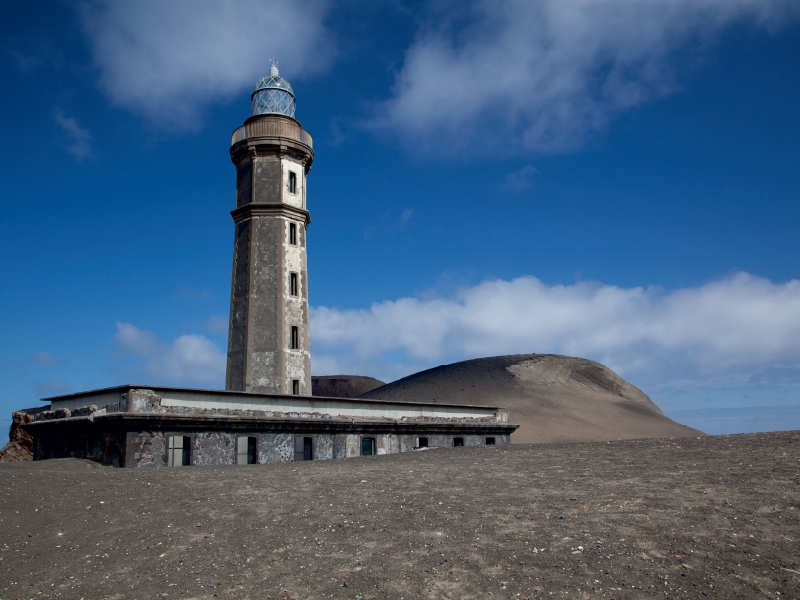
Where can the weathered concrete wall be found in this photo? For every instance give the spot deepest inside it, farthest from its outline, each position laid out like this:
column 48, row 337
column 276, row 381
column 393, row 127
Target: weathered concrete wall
column 275, row 447
column 267, row 179
column 237, row 330
column 149, row 449
column 340, row 446
column 353, row 445
column 213, row 448
column 474, row 440
column 290, row 164
column 263, row 311
column 323, row 446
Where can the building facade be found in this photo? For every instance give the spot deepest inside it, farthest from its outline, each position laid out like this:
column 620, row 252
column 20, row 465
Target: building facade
column 134, row 426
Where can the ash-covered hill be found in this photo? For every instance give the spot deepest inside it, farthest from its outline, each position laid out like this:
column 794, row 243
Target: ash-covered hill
column 343, row 386
column 553, row 398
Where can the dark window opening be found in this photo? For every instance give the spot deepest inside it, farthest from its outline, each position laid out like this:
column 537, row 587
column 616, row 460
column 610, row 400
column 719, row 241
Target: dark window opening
column 490, row 441
column 295, row 342
column 292, row 234
column 303, row 448
column 367, row 446
column 246, row 450
column 179, row 451
column 459, row 441
column 251, row 450
column 293, row 284
column 292, row 183
column 295, row 387
column 422, row 442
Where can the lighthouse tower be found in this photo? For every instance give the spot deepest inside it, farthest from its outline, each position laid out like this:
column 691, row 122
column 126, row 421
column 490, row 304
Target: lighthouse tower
column 268, row 345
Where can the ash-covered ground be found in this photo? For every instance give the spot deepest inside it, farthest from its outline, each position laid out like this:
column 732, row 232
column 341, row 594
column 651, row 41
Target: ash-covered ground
column 671, row 518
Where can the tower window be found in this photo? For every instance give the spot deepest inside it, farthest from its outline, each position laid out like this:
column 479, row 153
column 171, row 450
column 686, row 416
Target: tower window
column 490, row 441
column 295, row 342
column 246, row 450
column 293, row 284
column 459, row 441
column 292, row 182
column 293, row 234
column 179, row 451
column 295, row 387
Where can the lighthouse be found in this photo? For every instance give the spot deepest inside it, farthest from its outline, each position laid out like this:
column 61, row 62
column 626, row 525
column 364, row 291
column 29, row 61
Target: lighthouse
column 268, row 341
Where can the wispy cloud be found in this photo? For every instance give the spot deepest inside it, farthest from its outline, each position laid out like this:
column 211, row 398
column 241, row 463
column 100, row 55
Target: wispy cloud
column 44, row 358
column 80, row 137
column 44, row 389
column 189, row 359
column 217, row 324
column 31, row 53
column 405, row 217
column 520, row 180
column 170, row 60
column 742, row 330
column 543, row 76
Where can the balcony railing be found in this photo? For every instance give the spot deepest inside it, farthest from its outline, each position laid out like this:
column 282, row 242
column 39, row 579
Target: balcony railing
column 272, row 128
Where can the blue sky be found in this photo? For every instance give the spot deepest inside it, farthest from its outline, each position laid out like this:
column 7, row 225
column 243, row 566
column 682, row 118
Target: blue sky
column 599, row 178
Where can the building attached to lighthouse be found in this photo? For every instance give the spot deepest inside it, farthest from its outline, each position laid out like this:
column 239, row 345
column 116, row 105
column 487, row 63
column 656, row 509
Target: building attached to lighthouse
column 268, row 341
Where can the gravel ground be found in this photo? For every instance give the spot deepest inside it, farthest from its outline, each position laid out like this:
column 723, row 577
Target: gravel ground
column 681, row 518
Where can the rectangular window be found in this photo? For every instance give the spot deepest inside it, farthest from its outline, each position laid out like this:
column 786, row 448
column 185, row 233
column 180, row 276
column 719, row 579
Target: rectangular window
column 292, row 182
column 295, row 341
column 490, row 441
column 179, row 451
column 303, row 448
column 293, row 234
column 367, row 446
column 293, row 284
column 422, row 442
column 295, row 387
column 246, row 450
column 459, row 441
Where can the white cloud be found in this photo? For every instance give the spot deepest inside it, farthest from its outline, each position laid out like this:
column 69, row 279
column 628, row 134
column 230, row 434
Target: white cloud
column 739, row 330
column 544, row 75
column 79, row 148
column 170, row 60
column 190, row 359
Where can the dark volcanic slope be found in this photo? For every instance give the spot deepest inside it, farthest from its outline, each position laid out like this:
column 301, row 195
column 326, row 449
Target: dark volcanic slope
column 343, row 386
column 553, row 398
column 714, row 517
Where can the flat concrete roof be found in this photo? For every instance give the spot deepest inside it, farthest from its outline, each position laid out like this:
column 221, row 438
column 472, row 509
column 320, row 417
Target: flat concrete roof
column 120, row 388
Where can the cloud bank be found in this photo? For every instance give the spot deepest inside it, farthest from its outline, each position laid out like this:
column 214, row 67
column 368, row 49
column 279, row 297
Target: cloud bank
column 544, row 75
column 742, row 330
column 188, row 360
column 739, row 332
column 170, row 60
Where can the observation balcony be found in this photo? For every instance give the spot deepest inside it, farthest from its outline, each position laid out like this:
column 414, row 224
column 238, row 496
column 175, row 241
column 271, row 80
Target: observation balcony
column 272, row 126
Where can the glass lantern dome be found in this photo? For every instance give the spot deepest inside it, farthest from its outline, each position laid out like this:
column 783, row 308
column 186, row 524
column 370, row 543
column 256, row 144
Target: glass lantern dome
column 273, row 95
